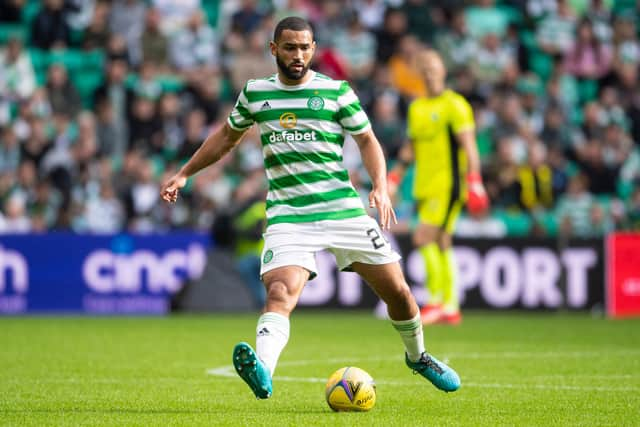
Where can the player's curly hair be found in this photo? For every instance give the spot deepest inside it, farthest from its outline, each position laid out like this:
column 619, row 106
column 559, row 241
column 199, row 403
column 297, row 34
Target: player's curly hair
column 294, row 23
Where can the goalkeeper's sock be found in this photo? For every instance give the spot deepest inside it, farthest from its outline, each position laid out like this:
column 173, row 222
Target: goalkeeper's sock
column 433, row 266
column 272, row 334
column 449, row 288
column 411, row 333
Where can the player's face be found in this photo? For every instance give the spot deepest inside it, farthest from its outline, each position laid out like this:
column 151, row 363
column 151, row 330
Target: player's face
column 294, row 51
column 433, row 72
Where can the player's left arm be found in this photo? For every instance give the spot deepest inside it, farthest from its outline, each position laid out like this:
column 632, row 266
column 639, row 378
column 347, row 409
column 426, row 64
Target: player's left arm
column 464, row 130
column 376, row 166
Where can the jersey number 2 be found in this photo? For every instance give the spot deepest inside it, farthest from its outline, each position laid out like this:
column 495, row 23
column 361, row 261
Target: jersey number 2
column 377, row 240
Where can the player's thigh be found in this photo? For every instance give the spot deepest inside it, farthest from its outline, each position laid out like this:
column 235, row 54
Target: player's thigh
column 453, row 214
column 386, row 280
column 432, row 213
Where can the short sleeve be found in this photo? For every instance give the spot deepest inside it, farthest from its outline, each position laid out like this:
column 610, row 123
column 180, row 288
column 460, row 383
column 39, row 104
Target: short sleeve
column 350, row 114
column 461, row 115
column 240, row 117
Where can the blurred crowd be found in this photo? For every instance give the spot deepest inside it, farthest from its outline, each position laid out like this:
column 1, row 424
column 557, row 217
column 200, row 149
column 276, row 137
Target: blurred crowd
column 101, row 100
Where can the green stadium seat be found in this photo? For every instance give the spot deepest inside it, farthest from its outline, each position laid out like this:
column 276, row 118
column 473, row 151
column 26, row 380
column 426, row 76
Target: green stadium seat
column 518, row 223
column 170, row 83
column 93, row 60
column 541, row 64
column 549, row 222
column 8, row 31
column 72, row 59
column 485, row 143
column 587, row 90
column 30, row 10
column 212, row 11
column 87, row 83
column 39, row 59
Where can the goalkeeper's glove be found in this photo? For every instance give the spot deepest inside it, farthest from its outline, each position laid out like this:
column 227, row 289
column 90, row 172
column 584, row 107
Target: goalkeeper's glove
column 477, row 200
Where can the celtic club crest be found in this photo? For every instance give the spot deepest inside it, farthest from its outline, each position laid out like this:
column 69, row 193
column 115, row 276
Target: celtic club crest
column 315, row 103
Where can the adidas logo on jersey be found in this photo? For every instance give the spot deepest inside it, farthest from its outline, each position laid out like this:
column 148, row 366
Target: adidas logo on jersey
column 292, row 136
column 265, row 106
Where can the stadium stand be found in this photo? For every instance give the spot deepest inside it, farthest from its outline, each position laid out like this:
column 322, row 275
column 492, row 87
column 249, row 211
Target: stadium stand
column 575, row 61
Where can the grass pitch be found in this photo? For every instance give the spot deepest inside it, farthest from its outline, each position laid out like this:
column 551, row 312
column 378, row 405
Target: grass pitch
column 516, row 369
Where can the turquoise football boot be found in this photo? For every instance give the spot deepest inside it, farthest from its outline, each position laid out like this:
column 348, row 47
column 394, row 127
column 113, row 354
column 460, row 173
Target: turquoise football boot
column 440, row 375
column 252, row 370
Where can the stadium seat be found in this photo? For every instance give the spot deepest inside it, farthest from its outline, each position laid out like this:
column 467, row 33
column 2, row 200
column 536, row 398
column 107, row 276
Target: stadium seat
column 30, row 10
column 485, row 144
column 518, row 223
column 8, row 31
column 72, row 59
column 86, row 83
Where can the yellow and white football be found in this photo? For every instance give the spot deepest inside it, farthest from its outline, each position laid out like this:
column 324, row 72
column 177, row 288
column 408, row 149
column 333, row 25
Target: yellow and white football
column 350, row 389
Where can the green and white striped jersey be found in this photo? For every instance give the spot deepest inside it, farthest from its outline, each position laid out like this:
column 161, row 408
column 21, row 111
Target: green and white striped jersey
column 302, row 131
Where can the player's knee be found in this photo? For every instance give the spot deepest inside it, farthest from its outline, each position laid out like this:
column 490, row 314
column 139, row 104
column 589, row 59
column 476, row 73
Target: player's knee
column 278, row 294
column 444, row 241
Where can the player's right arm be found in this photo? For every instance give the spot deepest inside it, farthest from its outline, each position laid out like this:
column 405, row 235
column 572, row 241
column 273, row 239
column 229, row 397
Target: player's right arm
column 212, row 149
column 464, row 130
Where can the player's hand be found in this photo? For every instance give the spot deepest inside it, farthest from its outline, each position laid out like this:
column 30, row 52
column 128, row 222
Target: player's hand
column 477, row 200
column 380, row 200
column 169, row 190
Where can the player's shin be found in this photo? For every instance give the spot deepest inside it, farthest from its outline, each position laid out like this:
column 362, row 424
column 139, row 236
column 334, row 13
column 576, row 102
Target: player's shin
column 412, row 336
column 451, row 304
column 433, row 266
column 272, row 334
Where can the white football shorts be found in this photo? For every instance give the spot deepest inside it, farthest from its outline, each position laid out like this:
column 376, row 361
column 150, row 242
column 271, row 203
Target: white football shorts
column 358, row 239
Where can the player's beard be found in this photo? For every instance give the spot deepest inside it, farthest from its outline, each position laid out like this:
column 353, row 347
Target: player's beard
column 288, row 72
